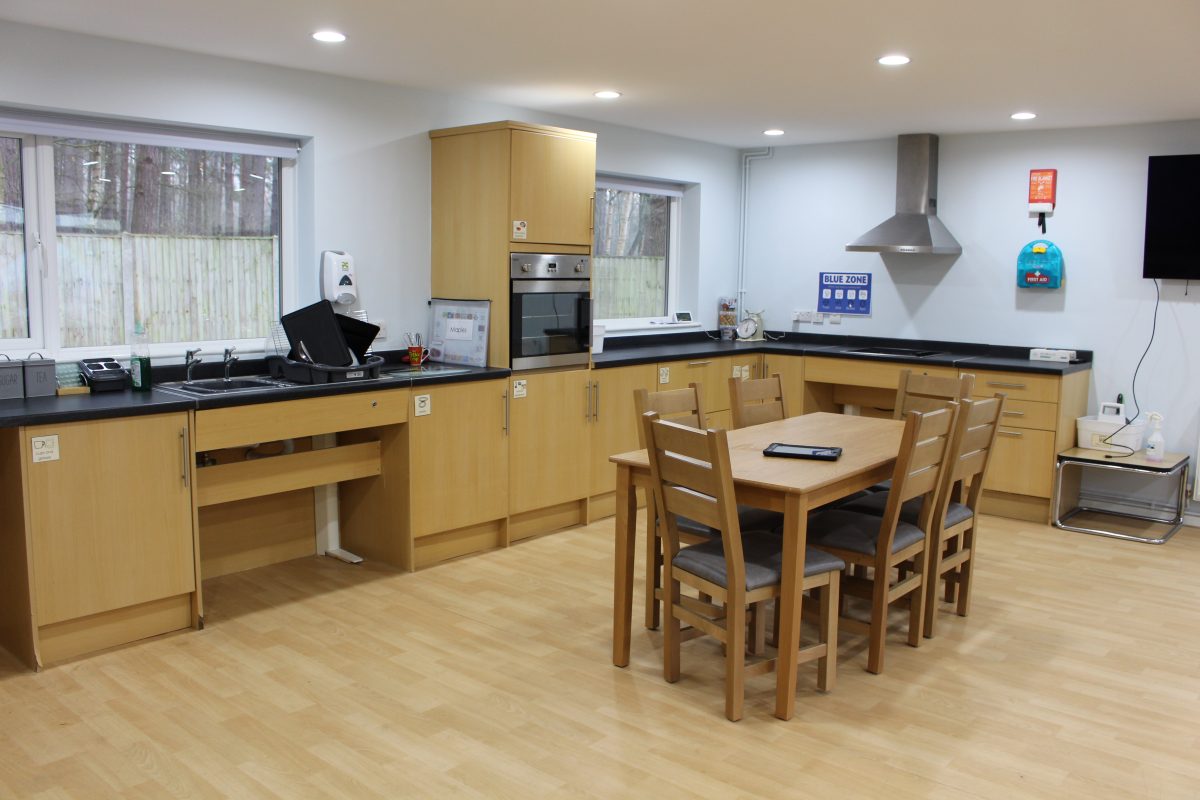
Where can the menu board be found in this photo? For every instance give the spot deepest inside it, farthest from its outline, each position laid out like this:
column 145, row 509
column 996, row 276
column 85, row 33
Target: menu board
column 459, row 332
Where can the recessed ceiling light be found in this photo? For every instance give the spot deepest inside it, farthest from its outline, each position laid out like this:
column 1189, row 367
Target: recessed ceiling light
column 1024, row 115
column 332, row 37
column 607, row 94
column 772, row 132
column 894, row 60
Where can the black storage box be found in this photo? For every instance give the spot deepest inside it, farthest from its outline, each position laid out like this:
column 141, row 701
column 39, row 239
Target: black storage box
column 303, row 372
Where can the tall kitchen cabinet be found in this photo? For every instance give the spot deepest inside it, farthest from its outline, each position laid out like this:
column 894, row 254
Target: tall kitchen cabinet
column 500, row 188
column 613, row 428
column 97, row 528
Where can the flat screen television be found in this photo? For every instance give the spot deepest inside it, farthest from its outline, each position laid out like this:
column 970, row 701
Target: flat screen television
column 1172, row 218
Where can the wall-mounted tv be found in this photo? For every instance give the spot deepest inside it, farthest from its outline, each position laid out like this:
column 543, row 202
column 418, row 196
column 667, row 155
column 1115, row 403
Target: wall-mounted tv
column 1172, row 218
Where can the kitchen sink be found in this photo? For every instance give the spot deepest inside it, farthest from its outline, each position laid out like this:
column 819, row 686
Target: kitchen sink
column 895, row 352
column 210, row 386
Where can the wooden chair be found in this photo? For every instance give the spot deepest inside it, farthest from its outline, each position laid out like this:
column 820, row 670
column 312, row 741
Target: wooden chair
column 757, row 401
column 957, row 511
column 889, row 543
column 929, row 392
column 685, row 407
column 692, row 479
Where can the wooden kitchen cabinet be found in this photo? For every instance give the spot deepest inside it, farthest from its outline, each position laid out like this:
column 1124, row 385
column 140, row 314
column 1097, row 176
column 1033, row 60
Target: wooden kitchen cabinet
column 713, row 374
column 548, row 446
column 614, row 426
column 505, row 187
column 1038, row 423
column 791, row 372
column 110, row 531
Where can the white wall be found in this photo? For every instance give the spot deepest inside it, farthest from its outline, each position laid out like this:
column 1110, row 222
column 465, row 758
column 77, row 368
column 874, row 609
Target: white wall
column 807, row 202
column 365, row 171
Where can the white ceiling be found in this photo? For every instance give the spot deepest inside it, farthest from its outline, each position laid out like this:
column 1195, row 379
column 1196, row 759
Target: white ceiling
column 717, row 71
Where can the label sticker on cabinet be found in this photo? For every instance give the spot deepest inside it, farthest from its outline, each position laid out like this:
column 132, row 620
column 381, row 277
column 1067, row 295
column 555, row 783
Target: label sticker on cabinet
column 45, row 448
column 422, row 405
column 520, row 227
column 664, row 375
column 518, row 388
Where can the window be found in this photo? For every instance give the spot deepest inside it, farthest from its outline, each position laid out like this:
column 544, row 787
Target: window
column 635, row 253
column 183, row 238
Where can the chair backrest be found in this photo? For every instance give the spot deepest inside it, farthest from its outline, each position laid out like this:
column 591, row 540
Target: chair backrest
column 929, row 392
column 757, row 401
column 924, row 454
column 683, row 406
column 691, row 477
column 970, row 452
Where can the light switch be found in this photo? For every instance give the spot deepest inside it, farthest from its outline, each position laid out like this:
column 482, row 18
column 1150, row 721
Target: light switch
column 422, row 405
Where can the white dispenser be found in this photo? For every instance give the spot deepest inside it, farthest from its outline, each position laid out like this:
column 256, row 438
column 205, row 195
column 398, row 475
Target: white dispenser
column 338, row 284
column 1154, row 442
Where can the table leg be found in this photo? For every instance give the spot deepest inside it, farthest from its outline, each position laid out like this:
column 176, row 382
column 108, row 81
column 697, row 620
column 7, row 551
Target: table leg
column 795, row 535
column 626, row 532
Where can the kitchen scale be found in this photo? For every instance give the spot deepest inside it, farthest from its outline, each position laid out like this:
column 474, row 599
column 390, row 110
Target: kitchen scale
column 750, row 329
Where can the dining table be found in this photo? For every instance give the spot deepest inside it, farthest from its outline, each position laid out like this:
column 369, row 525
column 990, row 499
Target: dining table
column 791, row 485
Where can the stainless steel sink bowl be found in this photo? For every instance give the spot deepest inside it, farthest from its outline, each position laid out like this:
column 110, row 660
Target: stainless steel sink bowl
column 210, row 386
column 894, row 352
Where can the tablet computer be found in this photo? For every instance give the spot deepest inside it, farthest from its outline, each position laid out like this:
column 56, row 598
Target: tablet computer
column 802, row 451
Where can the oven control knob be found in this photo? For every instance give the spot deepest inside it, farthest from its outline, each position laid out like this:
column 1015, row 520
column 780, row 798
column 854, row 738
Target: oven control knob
column 524, row 268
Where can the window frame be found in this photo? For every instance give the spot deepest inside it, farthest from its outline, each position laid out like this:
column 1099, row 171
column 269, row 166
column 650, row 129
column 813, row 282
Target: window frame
column 41, row 261
column 675, row 193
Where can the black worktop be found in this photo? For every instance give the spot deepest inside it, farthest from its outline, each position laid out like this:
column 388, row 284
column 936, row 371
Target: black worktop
column 628, row 350
column 128, row 403
column 618, row 352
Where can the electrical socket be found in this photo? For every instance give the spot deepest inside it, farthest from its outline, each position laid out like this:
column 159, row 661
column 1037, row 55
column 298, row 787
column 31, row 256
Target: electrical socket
column 818, row 318
column 804, row 316
column 382, row 335
column 835, row 319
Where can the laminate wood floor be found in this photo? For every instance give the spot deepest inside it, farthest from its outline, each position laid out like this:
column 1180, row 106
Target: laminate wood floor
column 1077, row 676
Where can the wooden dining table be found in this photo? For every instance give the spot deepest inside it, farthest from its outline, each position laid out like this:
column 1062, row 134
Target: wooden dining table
column 793, row 486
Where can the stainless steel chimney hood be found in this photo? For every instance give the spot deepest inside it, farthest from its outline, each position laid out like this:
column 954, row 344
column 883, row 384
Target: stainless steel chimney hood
column 915, row 227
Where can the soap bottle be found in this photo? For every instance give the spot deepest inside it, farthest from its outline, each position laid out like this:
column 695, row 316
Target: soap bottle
column 139, row 359
column 1155, row 443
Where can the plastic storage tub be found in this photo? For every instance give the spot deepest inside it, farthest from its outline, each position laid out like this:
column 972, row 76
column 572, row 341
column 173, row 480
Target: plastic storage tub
column 1094, row 432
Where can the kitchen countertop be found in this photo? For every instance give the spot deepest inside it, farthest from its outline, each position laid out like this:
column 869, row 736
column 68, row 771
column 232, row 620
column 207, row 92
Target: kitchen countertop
column 619, row 351
column 628, row 350
column 128, row 403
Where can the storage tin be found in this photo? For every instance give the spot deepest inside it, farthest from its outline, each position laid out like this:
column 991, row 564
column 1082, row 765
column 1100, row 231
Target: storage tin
column 40, row 378
column 12, row 380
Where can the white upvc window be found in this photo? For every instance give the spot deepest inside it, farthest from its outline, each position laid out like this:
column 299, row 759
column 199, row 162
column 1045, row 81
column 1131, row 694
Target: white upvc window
column 104, row 228
column 635, row 253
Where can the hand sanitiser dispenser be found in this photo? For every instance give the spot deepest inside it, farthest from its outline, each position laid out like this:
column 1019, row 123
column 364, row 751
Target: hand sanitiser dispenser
column 338, row 284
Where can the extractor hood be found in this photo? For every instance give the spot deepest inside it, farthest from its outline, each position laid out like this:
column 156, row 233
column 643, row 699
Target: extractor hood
column 914, row 228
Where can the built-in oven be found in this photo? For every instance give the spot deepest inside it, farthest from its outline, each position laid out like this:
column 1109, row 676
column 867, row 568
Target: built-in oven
column 550, row 313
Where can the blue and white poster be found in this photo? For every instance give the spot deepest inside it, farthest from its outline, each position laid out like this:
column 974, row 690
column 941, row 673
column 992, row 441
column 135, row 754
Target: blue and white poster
column 844, row 293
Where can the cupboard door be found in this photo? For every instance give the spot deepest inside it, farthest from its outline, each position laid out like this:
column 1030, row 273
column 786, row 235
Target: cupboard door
column 711, row 372
column 548, row 449
column 111, row 516
column 1022, row 462
column 791, row 372
column 458, row 455
column 552, row 186
column 614, row 421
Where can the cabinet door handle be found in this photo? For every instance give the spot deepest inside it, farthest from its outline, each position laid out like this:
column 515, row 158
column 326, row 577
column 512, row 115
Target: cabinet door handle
column 592, row 213
column 587, row 401
column 1013, row 413
column 184, row 446
column 1004, row 385
column 1015, row 434
column 596, row 401
column 506, row 412
column 699, row 363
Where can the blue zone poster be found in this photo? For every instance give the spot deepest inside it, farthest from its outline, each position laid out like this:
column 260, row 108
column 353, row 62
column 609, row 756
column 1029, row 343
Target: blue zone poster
column 844, row 293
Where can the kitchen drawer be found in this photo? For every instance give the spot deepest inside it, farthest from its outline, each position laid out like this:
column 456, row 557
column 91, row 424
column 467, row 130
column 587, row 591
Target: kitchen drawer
column 859, row 372
column 1022, row 462
column 1027, row 413
column 287, row 419
column 1017, row 385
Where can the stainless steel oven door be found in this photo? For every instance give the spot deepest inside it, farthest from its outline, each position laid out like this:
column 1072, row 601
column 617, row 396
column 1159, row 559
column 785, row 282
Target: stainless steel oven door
column 551, row 323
